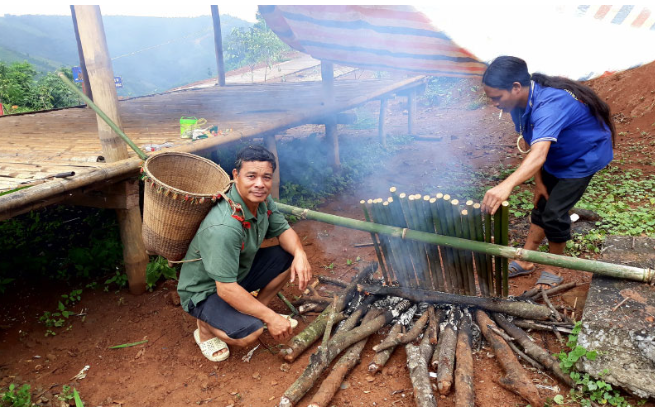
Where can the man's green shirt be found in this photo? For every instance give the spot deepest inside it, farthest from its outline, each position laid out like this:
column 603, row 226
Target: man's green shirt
column 227, row 248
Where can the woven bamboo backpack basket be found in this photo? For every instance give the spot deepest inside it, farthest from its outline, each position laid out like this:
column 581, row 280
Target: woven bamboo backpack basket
column 180, row 189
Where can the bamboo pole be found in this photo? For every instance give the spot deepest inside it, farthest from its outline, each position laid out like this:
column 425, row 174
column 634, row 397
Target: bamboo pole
column 104, row 117
column 384, row 240
column 490, row 265
column 456, row 230
column 414, row 250
column 417, row 220
column 433, row 250
column 504, row 235
column 375, row 244
column 497, row 262
column 646, row 275
column 444, row 206
column 466, row 234
column 440, row 227
column 397, row 219
column 481, row 259
column 393, row 245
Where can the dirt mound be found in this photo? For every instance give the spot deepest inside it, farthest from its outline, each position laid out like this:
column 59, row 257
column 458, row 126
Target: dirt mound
column 631, row 95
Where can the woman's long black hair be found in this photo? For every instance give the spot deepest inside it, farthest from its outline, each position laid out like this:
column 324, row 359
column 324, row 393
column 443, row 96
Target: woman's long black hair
column 505, row 70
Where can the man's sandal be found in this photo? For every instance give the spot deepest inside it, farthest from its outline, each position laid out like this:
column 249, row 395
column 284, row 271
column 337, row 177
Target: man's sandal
column 293, row 322
column 516, row 270
column 211, row 346
column 549, row 279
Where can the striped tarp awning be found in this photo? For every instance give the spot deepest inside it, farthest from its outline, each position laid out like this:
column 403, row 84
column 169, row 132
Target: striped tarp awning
column 381, row 38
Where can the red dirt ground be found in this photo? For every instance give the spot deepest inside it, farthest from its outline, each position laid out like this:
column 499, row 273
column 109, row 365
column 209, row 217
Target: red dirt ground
column 170, row 371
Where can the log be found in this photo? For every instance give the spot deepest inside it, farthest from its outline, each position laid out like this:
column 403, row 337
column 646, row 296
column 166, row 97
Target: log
column 434, row 319
column 407, row 337
column 339, row 342
column 429, row 336
column 516, row 379
column 381, row 358
column 418, row 373
column 341, row 368
column 309, row 307
column 535, row 292
column 541, row 355
column 515, row 308
column 333, row 281
column 314, row 330
column 542, row 326
column 446, row 358
column 464, row 388
column 315, row 299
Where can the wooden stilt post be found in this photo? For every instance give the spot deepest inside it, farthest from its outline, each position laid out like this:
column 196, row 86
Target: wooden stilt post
column 411, row 111
column 382, row 130
column 271, row 145
column 218, row 45
column 101, row 79
column 331, row 135
column 85, row 75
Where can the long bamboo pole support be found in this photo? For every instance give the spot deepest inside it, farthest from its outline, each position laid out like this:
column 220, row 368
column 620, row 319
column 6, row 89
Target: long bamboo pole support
column 646, row 275
column 374, row 237
column 103, row 116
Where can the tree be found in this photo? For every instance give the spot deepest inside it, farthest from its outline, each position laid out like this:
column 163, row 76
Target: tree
column 19, row 88
column 250, row 46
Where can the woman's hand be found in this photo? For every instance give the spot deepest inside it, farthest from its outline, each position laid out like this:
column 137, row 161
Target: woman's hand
column 496, row 196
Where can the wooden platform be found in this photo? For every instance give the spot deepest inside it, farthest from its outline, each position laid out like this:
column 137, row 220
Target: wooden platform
column 38, row 145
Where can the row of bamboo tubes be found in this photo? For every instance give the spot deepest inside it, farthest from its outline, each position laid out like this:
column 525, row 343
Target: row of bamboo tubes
column 413, row 264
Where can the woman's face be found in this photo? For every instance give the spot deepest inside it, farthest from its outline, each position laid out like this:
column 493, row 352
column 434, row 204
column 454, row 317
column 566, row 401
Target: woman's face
column 503, row 99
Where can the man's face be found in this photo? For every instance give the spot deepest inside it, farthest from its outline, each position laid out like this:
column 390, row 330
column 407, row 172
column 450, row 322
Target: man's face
column 254, row 181
column 506, row 100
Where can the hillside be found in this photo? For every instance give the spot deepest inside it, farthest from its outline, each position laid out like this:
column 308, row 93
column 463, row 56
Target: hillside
column 151, row 54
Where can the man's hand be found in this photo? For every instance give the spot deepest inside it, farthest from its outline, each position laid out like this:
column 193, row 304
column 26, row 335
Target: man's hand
column 300, row 267
column 495, row 197
column 279, row 327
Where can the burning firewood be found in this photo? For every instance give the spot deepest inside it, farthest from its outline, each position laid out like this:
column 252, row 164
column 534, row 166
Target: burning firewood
column 540, row 354
column 341, row 368
column 381, row 358
column 418, row 373
column 515, row 308
column 309, row 335
column 407, row 337
column 464, row 388
column 339, row 342
column 445, row 363
column 516, row 379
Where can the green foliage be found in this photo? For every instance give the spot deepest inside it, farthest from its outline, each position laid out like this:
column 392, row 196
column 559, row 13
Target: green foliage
column 20, row 91
column 66, row 394
column 17, row 398
column 250, row 46
column 120, row 279
column 75, row 296
column 443, row 91
column 61, row 243
column 588, row 391
column 158, row 268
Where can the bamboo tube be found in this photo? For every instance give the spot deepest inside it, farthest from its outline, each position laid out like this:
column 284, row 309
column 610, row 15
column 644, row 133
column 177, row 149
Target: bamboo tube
column 398, row 219
column 417, row 220
column 456, row 231
column 645, row 275
column 466, row 234
column 384, row 240
column 413, row 247
column 393, row 244
column 498, row 268
column 444, row 210
column 504, row 235
column 481, row 259
column 433, row 251
column 445, row 251
column 490, row 265
column 374, row 237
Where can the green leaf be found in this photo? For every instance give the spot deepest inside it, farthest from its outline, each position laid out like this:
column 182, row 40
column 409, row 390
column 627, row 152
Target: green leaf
column 591, row 355
column 559, row 399
column 78, row 400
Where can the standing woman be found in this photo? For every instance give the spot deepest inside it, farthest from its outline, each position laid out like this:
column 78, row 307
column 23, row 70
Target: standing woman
column 570, row 133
